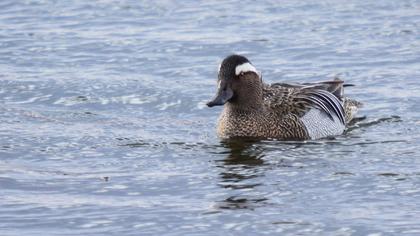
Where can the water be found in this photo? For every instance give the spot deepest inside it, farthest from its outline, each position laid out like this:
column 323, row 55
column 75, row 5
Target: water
column 104, row 131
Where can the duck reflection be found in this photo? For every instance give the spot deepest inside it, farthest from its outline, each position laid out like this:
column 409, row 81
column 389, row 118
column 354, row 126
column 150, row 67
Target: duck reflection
column 241, row 174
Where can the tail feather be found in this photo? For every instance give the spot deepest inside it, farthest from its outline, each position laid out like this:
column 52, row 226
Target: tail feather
column 350, row 108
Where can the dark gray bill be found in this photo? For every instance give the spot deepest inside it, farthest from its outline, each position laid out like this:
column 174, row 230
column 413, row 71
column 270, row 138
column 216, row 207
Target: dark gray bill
column 223, row 95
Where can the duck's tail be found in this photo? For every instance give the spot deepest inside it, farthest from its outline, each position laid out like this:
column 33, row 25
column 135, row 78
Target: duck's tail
column 350, row 108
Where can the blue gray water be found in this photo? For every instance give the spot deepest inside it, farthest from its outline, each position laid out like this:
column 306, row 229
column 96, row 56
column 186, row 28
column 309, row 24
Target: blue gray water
column 104, row 131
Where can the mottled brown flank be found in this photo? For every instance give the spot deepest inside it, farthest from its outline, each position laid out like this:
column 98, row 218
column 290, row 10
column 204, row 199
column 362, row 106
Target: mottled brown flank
column 260, row 124
column 272, row 111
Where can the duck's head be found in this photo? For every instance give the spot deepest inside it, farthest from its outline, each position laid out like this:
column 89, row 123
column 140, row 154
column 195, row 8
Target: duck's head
column 238, row 82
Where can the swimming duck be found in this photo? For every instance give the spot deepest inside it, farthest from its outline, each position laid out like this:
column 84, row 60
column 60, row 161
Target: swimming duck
column 280, row 110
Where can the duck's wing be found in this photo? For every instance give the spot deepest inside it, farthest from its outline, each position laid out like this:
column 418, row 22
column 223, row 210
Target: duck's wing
column 326, row 96
column 336, row 86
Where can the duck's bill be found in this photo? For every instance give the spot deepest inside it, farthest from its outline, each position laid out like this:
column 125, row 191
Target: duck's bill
column 222, row 96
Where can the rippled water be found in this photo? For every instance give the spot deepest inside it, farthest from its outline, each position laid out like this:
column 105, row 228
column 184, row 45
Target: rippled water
column 103, row 128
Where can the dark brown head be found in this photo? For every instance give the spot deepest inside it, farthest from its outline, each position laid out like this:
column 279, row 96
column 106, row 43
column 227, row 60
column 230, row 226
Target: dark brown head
column 239, row 83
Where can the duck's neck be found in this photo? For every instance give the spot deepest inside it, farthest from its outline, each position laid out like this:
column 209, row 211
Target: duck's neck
column 247, row 102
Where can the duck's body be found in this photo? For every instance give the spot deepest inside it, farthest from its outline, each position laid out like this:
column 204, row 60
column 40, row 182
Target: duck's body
column 286, row 113
column 280, row 111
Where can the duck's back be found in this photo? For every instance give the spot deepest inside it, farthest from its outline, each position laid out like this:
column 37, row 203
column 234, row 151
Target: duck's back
column 320, row 107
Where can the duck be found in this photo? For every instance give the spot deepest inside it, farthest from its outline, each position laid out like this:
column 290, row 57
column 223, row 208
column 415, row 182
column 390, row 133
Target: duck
column 282, row 111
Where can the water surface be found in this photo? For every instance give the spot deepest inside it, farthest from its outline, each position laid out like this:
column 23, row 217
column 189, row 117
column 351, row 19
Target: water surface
column 104, row 131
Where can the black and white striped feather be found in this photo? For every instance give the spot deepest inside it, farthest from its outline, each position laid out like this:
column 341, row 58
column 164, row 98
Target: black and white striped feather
column 327, row 102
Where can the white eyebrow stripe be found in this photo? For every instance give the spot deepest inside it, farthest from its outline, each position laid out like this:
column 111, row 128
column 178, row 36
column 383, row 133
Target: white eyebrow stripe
column 246, row 67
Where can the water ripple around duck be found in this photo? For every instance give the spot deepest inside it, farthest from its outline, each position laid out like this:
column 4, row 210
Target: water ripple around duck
column 104, row 128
